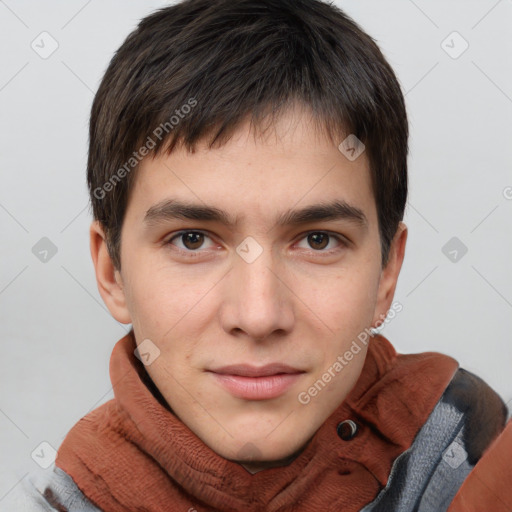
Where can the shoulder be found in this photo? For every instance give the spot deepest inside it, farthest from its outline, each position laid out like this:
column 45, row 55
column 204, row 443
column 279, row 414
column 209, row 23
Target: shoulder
column 467, row 418
column 489, row 485
column 421, row 381
column 484, row 412
column 51, row 490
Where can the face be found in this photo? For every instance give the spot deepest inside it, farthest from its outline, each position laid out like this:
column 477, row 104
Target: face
column 241, row 279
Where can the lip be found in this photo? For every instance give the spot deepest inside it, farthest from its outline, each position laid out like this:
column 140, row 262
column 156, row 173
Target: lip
column 257, row 383
column 247, row 370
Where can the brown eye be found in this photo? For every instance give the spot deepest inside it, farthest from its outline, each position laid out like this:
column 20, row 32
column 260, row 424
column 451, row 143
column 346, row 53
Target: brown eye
column 318, row 241
column 323, row 242
column 192, row 240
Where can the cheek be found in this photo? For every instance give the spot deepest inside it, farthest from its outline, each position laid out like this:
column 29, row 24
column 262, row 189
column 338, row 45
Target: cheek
column 343, row 302
column 167, row 306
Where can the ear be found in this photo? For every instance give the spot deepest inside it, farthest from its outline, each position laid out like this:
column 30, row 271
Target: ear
column 108, row 279
column 389, row 275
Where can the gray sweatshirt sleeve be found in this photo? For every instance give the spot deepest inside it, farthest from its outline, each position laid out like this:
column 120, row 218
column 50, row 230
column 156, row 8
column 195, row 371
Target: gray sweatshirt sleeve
column 50, row 490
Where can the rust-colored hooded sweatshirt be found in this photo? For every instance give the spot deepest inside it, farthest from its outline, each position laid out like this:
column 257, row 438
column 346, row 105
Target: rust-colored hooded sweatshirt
column 415, row 433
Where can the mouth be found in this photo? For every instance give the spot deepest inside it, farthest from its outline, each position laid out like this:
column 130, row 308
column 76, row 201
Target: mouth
column 247, row 370
column 257, row 383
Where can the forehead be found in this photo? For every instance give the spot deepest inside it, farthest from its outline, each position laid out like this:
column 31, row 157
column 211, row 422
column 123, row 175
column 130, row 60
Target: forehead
column 263, row 173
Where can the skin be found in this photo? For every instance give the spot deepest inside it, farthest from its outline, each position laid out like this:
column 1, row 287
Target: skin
column 300, row 302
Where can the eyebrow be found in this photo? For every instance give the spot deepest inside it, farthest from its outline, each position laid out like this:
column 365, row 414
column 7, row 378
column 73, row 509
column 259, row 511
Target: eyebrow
column 171, row 209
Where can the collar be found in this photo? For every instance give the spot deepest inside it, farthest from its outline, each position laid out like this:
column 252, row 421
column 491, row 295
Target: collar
column 133, row 453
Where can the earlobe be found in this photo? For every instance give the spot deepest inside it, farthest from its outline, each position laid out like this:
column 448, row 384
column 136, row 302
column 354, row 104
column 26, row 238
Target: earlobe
column 389, row 275
column 108, row 279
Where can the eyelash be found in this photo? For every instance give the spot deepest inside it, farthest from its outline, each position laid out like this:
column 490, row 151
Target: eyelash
column 195, row 253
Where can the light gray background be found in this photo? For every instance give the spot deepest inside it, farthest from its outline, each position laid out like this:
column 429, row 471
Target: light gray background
column 57, row 335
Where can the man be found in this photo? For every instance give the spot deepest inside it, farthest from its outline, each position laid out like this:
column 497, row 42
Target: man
column 248, row 176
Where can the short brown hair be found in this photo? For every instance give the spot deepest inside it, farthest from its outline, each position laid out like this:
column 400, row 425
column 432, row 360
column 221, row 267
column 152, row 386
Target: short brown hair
column 198, row 68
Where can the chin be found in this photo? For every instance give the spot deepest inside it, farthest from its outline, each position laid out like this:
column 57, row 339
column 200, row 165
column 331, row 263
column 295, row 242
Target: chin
column 256, row 450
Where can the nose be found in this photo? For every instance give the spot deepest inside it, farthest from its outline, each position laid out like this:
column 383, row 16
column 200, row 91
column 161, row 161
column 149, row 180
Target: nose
column 258, row 302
